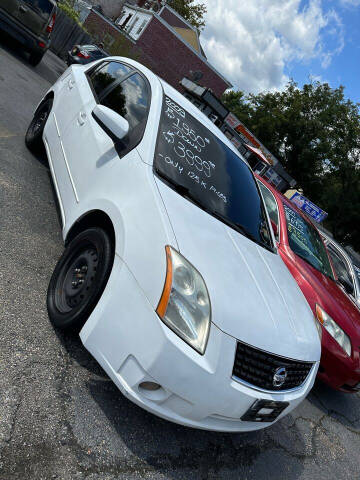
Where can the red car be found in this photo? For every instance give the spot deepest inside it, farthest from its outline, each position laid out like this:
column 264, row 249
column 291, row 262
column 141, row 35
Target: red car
column 304, row 253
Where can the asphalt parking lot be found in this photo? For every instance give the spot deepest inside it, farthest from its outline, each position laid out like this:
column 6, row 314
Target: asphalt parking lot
column 60, row 416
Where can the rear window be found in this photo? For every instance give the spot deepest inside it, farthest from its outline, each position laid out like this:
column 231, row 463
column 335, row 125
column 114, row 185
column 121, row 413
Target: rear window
column 200, row 167
column 42, row 6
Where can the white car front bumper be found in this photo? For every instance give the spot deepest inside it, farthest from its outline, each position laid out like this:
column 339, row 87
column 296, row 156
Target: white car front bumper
column 133, row 346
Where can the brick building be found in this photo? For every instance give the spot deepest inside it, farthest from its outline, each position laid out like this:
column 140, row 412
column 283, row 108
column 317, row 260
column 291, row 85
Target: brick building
column 163, row 41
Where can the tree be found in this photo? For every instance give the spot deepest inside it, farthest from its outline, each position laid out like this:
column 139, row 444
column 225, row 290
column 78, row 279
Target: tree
column 315, row 132
column 191, row 11
column 67, row 6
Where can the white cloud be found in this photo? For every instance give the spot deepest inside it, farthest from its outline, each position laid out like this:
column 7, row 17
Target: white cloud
column 252, row 42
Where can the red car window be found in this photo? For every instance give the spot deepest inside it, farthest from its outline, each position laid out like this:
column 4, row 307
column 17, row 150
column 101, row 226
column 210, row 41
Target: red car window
column 305, row 241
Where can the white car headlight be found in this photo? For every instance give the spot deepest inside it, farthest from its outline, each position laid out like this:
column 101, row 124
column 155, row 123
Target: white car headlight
column 333, row 328
column 185, row 304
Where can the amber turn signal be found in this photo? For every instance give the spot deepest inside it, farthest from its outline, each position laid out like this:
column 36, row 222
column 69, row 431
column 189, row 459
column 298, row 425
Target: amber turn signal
column 165, row 297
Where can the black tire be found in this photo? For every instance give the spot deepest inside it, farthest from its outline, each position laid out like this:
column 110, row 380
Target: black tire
column 79, row 279
column 35, row 58
column 33, row 136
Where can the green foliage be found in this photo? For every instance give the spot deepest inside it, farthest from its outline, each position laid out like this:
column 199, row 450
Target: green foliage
column 67, row 6
column 191, row 11
column 315, row 132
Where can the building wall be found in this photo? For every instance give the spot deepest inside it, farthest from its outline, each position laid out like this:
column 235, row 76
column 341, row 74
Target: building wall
column 159, row 49
column 172, row 60
column 115, row 42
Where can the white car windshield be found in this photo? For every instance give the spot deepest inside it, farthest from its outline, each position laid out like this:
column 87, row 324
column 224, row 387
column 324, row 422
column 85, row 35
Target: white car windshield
column 200, row 167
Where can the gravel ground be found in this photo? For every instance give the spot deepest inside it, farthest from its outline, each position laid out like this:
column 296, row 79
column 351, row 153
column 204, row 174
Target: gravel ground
column 60, row 415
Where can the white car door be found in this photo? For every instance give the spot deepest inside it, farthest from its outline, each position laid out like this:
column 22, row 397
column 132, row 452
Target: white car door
column 88, row 148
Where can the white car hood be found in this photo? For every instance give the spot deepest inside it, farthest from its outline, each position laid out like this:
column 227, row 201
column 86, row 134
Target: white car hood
column 253, row 296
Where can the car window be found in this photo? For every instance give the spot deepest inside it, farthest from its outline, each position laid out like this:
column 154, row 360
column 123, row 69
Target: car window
column 305, row 241
column 96, row 54
column 200, row 167
column 340, row 265
column 131, row 100
column 357, row 271
column 271, row 206
column 42, row 6
column 93, row 50
column 106, row 75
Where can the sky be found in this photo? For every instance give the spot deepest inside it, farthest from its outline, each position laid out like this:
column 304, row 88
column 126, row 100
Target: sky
column 259, row 45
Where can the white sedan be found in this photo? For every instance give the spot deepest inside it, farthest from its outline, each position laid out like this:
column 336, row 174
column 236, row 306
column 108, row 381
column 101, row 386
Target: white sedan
column 170, row 272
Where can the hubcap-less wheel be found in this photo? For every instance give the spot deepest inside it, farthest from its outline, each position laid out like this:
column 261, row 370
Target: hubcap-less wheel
column 79, row 278
column 73, row 286
column 38, row 123
column 33, row 137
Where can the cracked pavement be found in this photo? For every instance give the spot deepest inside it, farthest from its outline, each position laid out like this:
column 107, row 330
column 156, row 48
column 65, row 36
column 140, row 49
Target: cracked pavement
column 60, row 416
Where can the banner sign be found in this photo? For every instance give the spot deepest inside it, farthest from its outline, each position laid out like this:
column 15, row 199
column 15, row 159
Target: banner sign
column 241, row 129
column 232, row 120
column 308, row 207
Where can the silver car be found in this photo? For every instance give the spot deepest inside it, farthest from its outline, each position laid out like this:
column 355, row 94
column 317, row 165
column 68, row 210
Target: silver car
column 347, row 270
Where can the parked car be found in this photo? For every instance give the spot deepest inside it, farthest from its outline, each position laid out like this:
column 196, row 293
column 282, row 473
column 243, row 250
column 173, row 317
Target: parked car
column 30, row 22
column 170, row 268
column 303, row 251
column 348, row 273
column 83, row 54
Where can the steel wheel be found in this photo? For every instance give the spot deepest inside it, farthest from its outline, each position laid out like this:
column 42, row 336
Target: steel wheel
column 79, row 278
column 33, row 137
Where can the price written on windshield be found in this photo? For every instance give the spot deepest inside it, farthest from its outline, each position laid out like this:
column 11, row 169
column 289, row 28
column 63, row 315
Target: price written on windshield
column 295, row 225
column 187, row 143
column 183, row 148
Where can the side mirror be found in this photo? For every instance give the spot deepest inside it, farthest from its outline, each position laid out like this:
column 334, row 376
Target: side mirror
column 116, row 126
column 274, row 227
column 346, row 284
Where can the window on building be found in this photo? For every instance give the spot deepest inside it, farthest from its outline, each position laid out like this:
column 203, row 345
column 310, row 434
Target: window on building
column 213, row 117
column 141, row 28
column 126, row 21
column 131, row 26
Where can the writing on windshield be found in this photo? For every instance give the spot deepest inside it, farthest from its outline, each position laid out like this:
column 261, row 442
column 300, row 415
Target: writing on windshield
column 186, row 147
column 197, row 164
column 305, row 241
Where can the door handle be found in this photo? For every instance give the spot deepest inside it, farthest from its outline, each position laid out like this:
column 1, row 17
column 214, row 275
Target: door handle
column 23, row 9
column 82, row 118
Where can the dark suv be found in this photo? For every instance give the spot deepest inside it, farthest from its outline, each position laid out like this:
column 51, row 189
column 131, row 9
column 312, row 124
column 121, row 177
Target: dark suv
column 30, row 22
